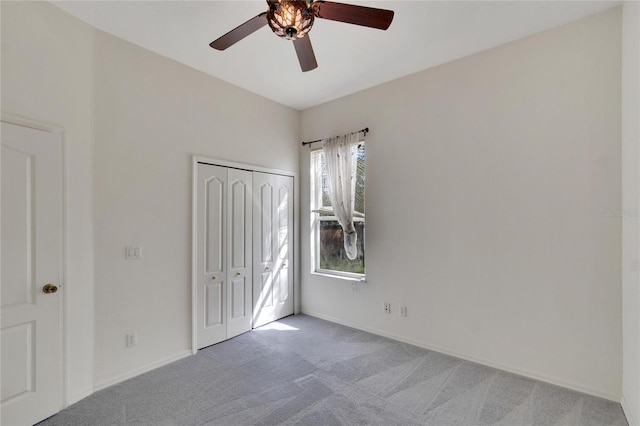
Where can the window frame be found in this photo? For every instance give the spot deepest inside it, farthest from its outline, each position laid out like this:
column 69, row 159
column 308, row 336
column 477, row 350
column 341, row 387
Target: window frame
column 315, row 203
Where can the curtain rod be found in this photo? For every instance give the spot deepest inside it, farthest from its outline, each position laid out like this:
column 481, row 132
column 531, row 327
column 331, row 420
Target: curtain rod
column 365, row 130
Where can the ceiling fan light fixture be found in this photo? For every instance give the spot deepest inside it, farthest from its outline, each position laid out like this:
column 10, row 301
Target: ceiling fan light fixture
column 290, row 19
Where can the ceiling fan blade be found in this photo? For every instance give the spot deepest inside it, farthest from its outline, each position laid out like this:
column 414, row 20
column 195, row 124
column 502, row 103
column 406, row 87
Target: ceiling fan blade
column 240, row 32
column 306, row 57
column 353, row 14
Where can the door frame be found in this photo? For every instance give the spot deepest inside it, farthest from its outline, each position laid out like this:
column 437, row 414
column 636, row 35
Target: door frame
column 64, row 300
column 195, row 160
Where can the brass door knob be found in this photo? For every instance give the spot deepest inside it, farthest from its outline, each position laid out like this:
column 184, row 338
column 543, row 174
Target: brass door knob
column 49, row 288
column 213, row 277
column 238, row 274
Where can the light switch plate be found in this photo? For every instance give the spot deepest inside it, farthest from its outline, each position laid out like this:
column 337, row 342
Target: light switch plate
column 133, row 252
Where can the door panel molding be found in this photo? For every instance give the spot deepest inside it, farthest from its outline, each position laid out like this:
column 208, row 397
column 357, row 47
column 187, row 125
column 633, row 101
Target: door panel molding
column 214, row 193
column 239, row 249
column 238, row 207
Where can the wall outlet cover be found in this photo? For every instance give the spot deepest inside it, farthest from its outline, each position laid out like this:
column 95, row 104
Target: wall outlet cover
column 132, row 339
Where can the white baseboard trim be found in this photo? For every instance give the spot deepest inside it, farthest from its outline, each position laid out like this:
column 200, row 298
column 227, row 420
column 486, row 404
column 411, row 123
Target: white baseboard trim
column 631, row 419
column 530, row 374
column 78, row 396
column 133, row 373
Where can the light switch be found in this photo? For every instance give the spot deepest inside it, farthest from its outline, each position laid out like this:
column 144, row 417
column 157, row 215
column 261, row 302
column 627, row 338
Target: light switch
column 133, row 252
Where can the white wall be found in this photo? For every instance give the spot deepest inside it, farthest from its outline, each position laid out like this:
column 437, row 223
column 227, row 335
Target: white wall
column 151, row 115
column 631, row 209
column 132, row 120
column 488, row 185
column 47, row 77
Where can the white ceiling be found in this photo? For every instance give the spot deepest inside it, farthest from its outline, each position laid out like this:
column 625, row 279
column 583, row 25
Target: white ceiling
column 350, row 58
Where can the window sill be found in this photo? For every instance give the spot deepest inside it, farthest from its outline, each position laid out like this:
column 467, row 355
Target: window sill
column 353, row 278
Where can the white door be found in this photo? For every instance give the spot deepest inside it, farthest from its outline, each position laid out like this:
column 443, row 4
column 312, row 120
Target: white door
column 223, row 263
column 239, row 248
column 272, row 247
column 211, row 247
column 31, row 270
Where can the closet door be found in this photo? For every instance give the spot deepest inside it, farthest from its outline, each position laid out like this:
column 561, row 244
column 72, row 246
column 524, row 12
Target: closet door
column 239, row 259
column 211, row 240
column 223, row 263
column 272, row 247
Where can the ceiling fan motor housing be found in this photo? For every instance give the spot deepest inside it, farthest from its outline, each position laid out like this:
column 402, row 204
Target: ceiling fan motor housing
column 290, row 19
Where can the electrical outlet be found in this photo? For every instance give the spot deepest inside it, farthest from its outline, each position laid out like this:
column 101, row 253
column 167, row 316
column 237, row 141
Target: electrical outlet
column 387, row 307
column 132, row 339
column 403, row 311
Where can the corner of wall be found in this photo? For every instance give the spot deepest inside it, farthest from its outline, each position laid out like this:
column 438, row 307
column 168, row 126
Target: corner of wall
column 631, row 196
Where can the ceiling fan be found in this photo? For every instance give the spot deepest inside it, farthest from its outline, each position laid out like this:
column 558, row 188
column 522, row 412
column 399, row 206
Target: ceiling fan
column 292, row 20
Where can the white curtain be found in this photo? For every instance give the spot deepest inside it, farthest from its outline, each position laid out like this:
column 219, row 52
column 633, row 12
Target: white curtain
column 340, row 156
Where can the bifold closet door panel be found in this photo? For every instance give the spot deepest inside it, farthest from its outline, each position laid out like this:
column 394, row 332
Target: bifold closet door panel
column 239, row 294
column 244, row 251
column 211, row 240
column 272, row 247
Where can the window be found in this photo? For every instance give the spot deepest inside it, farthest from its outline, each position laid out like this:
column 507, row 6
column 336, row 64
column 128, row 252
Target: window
column 328, row 254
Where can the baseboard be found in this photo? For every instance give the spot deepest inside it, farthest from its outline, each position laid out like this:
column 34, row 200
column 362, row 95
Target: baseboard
column 631, row 419
column 530, row 374
column 133, row 373
column 78, row 396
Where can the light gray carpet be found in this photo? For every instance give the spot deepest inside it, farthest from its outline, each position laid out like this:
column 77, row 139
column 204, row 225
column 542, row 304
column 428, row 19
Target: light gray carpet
column 302, row 370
